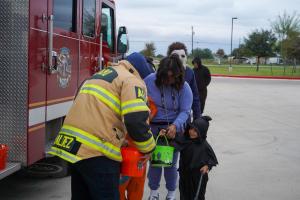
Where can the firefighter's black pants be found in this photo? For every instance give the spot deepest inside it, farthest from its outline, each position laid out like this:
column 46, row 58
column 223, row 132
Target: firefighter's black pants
column 95, row 179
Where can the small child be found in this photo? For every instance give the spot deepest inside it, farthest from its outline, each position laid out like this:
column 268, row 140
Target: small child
column 196, row 158
column 132, row 188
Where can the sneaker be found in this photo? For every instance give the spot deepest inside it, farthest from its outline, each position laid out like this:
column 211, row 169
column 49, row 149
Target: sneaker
column 171, row 195
column 154, row 197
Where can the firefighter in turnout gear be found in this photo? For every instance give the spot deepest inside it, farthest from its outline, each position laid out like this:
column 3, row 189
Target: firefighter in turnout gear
column 109, row 104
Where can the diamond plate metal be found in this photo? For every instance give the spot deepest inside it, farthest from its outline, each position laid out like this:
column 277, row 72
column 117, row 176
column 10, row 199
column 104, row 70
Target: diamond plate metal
column 14, row 21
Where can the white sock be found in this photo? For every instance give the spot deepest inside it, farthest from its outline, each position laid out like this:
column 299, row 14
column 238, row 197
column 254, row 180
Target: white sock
column 154, row 193
column 171, row 194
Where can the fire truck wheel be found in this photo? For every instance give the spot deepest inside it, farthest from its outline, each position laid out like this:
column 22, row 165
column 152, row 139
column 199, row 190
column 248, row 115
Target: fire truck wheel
column 49, row 167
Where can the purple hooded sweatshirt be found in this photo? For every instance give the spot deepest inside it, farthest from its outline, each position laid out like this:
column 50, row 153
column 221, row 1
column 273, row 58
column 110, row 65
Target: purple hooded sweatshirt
column 178, row 103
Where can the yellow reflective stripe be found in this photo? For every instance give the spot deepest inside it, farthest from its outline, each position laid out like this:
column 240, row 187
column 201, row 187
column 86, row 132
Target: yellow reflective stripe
column 116, row 99
column 134, row 106
column 146, row 146
column 103, row 95
column 135, row 109
column 126, row 103
column 94, row 142
column 64, row 155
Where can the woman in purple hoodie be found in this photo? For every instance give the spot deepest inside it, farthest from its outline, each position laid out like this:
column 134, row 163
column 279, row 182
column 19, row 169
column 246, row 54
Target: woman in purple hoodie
column 173, row 99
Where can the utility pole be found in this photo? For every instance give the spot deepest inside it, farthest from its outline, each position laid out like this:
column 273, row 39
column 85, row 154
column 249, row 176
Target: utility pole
column 230, row 67
column 193, row 33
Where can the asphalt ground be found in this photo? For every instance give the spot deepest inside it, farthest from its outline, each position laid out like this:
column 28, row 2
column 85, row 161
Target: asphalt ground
column 255, row 133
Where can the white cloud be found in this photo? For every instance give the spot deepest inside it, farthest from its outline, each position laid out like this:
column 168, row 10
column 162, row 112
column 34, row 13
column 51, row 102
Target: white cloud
column 164, row 21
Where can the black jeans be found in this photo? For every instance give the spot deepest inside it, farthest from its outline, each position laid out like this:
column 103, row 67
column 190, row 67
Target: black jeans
column 95, row 179
column 203, row 95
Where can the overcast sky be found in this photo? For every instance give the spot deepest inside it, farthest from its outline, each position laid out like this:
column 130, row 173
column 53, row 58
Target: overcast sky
column 165, row 21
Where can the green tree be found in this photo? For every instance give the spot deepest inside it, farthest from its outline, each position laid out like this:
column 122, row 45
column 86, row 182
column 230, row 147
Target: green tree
column 260, row 44
column 286, row 26
column 149, row 50
column 237, row 52
column 242, row 51
column 292, row 46
column 220, row 53
column 202, row 53
column 160, row 56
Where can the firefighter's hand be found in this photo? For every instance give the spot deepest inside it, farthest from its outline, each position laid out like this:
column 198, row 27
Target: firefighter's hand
column 204, row 169
column 171, row 131
column 125, row 143
column 145, row 158
column 162, row 132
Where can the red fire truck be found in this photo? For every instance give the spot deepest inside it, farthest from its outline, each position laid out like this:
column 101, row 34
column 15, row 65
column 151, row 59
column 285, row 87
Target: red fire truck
column 48, row 47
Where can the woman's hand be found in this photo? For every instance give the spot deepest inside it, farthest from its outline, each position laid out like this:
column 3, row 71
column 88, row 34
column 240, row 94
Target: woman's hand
column 162, row 132
column 171, row 131
column 204, row 169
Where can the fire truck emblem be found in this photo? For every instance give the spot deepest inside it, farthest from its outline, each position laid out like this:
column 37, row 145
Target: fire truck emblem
column 64, row 67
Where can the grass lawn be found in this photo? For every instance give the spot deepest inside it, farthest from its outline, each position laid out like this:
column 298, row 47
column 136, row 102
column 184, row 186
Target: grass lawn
column 248, row 70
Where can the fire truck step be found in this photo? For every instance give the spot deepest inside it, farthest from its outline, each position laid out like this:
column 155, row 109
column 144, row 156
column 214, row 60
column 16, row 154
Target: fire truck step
column 11, row 167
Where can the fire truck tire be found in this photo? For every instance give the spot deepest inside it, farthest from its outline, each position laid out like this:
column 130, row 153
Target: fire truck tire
column 48, row 168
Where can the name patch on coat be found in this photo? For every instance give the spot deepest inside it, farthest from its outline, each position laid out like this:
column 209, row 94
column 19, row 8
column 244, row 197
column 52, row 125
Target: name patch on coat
column 65, row 142
column 108, row 74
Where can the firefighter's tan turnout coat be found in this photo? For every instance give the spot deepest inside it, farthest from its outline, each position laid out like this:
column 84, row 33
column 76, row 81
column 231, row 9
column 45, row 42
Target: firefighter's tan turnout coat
column 109, row 104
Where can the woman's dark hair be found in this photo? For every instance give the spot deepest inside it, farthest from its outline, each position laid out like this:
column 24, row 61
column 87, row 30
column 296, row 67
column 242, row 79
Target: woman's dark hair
column 171, row 63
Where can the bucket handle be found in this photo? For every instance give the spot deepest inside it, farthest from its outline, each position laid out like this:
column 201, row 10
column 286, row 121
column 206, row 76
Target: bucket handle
column 164, row 137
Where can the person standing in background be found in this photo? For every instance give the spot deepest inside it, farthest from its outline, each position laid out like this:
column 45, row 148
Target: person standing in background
column 181, row 50
column 203, row 79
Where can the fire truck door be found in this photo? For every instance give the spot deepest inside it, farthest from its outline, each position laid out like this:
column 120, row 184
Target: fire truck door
column 89, row 44
column 63, row 56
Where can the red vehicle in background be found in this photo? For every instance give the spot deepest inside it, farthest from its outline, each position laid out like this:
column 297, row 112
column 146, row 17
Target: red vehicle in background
column 48, row 48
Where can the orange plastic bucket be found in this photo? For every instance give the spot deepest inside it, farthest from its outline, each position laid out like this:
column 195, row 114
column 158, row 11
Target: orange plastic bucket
column 132, row 164
column 3, row 156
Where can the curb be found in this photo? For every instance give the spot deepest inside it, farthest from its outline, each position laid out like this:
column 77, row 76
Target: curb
column 260, row 77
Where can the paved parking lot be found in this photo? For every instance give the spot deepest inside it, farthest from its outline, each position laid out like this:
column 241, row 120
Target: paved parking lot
column 255, row 133
column 256, row 136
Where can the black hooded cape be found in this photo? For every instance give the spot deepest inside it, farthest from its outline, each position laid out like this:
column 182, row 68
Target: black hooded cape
column 195, row 153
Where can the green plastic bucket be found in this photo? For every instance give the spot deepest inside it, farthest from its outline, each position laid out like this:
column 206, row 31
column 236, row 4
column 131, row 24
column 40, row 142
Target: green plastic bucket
column 162, row 156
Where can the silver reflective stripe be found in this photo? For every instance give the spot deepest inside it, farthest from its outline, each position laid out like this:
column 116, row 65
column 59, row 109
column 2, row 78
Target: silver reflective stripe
column 102, row 94
column 140, row 146
column 88, row 140
column 63, row 155
column 134, row 105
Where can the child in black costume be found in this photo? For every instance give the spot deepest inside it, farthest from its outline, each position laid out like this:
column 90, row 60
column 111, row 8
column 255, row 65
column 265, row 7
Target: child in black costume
column 196, row 158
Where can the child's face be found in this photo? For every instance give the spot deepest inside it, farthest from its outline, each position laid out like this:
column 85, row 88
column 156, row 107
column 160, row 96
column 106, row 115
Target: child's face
column 193, row 133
